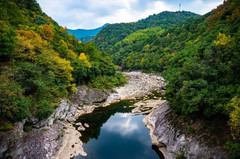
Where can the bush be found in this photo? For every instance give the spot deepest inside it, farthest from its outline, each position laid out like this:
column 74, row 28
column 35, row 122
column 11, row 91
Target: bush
column 5, row 126
column 7, row 41
column 14, row 106
column 234, row 148
column 190, row 129
column 108, row 81
column 27, row 128
column 44, row 110
column 21, row 111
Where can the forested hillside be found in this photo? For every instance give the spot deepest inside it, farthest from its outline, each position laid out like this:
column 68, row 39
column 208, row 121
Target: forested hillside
column 113, row 33
column 200, row 60
column 40, row 63
column 144, row 49
column 203, row 70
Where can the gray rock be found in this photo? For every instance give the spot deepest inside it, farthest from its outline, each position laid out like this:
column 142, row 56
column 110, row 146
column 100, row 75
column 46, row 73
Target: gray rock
column 4, row 143
column 37, row 144
column 32, row 120
column 41, row 124
column 19, row 126
column 88, row 96
column 174, row 141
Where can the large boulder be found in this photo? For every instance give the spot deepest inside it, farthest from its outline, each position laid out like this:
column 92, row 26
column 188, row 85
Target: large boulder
column 87, row 96
column 164, row 134
column 37, row 144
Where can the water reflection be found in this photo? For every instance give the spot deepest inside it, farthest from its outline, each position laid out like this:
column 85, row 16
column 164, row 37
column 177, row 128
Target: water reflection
column 99, row 117
column 114, row 133
column 122, row 124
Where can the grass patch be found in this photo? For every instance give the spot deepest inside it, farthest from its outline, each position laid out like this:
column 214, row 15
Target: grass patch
column 27, row 128
column 5, row 126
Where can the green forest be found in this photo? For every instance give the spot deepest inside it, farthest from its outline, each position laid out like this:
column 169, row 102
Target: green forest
column 199, row 59
column 114, row 33
column 198, row 56
column 40, row 63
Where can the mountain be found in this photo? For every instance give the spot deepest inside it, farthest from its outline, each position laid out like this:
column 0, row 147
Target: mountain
column 85, row 35
column 113, row 33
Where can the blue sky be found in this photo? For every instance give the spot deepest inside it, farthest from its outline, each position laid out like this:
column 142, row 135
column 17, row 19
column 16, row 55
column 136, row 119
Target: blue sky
column 87, row 14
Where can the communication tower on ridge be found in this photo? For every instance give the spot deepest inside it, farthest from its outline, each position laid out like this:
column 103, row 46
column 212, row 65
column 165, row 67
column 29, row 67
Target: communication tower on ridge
column 179, row 7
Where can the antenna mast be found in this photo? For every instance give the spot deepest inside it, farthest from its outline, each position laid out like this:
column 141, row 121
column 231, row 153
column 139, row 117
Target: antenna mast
column 180, row 7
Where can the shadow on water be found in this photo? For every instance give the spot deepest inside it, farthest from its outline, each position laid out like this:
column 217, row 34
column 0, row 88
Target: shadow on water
column 158, row 152
column 100, row 115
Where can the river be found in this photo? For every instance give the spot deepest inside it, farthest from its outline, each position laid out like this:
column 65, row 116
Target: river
column 115, row 133
column 109, row 130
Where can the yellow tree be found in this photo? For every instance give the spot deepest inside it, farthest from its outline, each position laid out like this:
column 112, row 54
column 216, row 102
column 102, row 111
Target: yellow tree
column 223, row 40
column 29, row 44
column 83, row 58
column 71, row 54
column 47, row 32
column 234, row 121
column 62, row 48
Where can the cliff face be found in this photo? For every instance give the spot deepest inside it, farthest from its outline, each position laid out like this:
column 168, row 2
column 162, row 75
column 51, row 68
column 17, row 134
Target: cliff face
column 45, row 137
column 38, row 143
column 172, row 143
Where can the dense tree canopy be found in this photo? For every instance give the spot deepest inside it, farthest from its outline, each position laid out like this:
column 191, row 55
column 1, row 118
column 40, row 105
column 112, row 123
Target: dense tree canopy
column 40, row 63
column 113, row 33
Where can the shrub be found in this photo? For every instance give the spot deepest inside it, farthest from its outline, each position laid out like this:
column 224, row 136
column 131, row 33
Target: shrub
column 27, row 128
column 44, row 110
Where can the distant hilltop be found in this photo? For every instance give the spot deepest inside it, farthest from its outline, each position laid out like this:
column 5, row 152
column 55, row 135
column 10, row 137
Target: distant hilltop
column 85, row 35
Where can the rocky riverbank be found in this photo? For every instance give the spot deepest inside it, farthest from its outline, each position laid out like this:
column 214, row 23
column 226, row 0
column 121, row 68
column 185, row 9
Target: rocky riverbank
column 56, row 137
column 174, row 143
column 138, row 85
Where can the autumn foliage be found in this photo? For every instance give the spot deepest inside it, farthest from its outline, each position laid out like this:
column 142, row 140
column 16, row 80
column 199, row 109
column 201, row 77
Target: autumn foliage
column 41, row 63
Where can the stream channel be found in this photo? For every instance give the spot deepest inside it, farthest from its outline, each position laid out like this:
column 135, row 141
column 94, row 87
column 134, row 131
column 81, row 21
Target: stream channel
column 115, row 133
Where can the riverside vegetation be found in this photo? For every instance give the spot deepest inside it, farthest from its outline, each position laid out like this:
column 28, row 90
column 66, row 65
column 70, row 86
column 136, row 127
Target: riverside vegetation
column 40, row 63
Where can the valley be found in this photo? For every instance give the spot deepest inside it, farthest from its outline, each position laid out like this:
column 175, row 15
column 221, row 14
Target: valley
column 165, row 86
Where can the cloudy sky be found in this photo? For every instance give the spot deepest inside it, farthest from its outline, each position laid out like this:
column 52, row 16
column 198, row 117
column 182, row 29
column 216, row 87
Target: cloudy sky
column 88, row 14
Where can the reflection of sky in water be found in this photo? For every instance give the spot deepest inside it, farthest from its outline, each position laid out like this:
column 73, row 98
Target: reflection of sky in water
column 122, row 123
column 123, row 136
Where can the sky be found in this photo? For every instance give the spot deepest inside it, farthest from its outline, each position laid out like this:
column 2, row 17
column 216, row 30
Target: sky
column 89, row 14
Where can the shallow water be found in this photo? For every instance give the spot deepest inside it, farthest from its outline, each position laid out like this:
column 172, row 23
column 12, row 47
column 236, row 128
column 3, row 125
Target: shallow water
column 114, row 133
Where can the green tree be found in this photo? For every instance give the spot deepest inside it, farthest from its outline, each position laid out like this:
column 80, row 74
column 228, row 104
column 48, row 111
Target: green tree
column 7, row 42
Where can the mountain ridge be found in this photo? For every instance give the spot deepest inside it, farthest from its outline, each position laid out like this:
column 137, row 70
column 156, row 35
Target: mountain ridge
column 85, row 35
column 113, row 33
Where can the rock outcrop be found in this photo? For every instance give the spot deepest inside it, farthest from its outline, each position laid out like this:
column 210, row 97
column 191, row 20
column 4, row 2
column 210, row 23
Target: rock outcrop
column 86, row 96
column 138, row 85
column 37, row 143
column 45, row 139
column 172, row 143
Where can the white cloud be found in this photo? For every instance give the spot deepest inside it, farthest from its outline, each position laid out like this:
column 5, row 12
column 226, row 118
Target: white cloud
column 94, row 13
column 123, row 125
column 201, row 7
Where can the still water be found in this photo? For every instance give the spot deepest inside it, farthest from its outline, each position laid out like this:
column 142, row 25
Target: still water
column 114, row 133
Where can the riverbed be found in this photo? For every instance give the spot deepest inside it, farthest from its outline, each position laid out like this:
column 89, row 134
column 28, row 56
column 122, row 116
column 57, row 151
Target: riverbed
column 85, row 130
column 114, row 132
